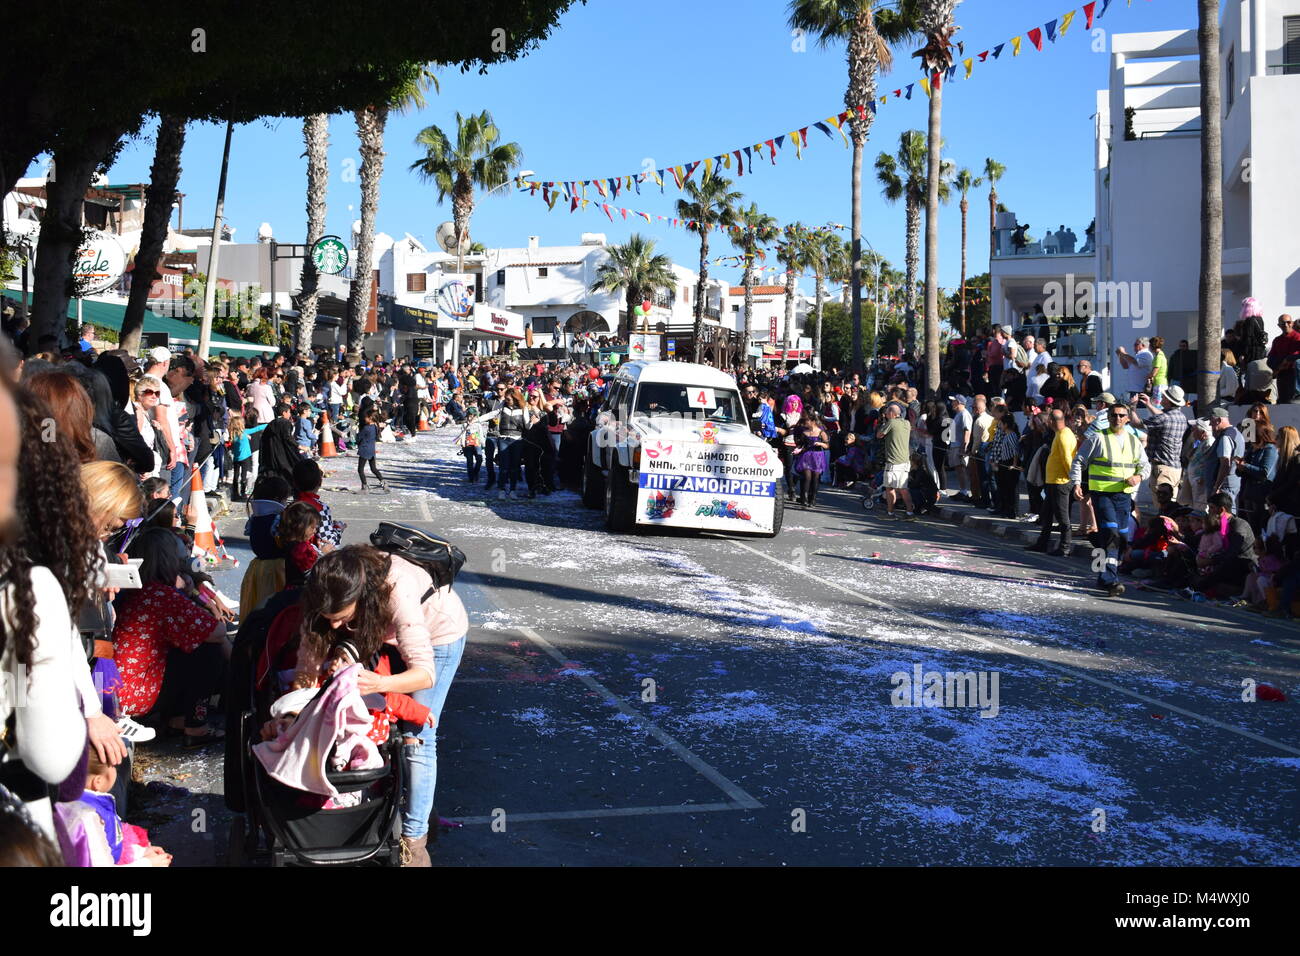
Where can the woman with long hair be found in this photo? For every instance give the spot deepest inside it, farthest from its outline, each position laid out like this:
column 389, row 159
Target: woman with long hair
column 1259, row 466
column 359, row 598
column 812, row 445
column 38, row 690
column 1286, row 485
column 70, row 408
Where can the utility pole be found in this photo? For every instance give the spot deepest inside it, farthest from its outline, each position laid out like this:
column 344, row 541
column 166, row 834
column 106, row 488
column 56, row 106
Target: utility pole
column 210, row 289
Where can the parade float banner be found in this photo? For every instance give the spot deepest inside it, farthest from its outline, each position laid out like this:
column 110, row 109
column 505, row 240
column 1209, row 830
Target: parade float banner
column 707, row 484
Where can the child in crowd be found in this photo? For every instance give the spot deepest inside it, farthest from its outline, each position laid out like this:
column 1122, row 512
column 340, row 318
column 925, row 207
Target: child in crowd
column 295, row 533
column 925, row 493
column 154, row 489
column 1149, row 546
column 94, row 835
column 852, row 465
column 471, row 441
column 307, row 480
column 367, row 440
column 244, row 431
column 265, row 574
column 306, row 431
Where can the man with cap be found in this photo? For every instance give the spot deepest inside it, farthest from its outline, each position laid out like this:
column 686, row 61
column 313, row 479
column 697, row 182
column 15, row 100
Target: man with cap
column 1166, row 429
column 1229, row 445
column 1113, row 463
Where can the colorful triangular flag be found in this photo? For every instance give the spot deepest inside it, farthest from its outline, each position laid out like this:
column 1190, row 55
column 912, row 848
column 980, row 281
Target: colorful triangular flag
column 1088, row 10
column 969, row 63
column 1015, row 46
column 1066, row 20
column 1051, row 30
column 1036, row 37
column 997, row 50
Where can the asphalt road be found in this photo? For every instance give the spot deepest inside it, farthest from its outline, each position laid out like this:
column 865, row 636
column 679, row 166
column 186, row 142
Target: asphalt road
column 695, row 699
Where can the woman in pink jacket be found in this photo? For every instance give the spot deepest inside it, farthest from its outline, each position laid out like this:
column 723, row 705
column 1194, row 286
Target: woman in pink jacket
column 262, row 396
column 366, row 597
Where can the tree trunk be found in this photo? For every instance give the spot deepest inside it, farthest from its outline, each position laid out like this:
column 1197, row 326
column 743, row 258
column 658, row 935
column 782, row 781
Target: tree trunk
column 913, row 256
column 965, row 207
column 699, row 291
column 1209, row 331
column 163, row 177
column 821, row 295
column 316, row 137
column 932, row 240
column 370, row 132
column 993, row 224
column 60, row 237
column 789, row 307
column 462, row 208
column 861, row 91
column 749, row 304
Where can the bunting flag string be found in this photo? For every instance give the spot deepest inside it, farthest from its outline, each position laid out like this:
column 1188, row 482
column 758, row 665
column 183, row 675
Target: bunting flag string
column 608, row 187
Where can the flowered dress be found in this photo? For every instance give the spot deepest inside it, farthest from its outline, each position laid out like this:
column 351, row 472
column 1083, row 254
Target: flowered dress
column 150, row 622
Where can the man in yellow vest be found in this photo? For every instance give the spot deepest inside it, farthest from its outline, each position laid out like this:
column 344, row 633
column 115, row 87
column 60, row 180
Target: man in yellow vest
column 1113, row 462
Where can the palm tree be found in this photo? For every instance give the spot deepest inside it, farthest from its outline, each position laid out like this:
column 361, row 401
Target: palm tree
column 819, row 249
column 965, row 182
column 371, row 121
column 1209, row 328
column 316, row 137
column 993, row 171
column 792, row 254
column 709, row 204
column 635, row 269
column 904, row 177
column 868, row 31
column 756, row 229
column 478, row 159
column 934, row 20
column 163, row 177
column 839, row 266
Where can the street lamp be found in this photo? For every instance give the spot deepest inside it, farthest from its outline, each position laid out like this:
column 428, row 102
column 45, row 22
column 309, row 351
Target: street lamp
column 267, row 235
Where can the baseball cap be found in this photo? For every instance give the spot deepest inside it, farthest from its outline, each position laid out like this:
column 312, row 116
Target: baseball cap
column 160, row 354
column 1219, row 412
column 1006, row 330
column 1106, row 398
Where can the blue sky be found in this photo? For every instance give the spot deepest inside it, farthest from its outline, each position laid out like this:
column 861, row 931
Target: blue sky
column 619, row 84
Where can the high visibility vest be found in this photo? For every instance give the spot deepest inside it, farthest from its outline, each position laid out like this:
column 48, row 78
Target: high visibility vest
column 1120, row 458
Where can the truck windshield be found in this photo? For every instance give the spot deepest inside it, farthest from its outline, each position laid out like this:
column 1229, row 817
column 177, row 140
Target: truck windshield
column 658, row 399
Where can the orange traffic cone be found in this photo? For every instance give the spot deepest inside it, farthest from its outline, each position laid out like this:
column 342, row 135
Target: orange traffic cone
column 424, row 420
column 327, row 449
column 204, row 539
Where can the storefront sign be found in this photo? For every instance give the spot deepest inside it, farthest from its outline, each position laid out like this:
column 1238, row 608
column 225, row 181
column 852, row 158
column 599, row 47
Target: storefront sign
column 330, row 255
column 100, row 263
column 422, row 347
column 406, row 318
column 495, row 321
column 642, row 347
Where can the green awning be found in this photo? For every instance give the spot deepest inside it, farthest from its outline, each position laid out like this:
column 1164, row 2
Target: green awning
column 109, row 315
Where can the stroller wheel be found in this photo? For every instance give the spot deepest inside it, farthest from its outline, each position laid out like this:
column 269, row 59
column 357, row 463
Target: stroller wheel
column 869, row 502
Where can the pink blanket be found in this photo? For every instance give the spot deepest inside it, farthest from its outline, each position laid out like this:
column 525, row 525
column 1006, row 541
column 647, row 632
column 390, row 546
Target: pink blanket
column 330, row 733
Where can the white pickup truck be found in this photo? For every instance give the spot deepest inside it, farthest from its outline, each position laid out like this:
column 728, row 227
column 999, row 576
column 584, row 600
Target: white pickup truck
column 672, row 447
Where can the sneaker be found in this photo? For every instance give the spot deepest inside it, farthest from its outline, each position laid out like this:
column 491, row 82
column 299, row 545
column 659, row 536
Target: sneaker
column 1029, row 517
column 1115, row 590
column 907, row 516
column 134, row 732
column 1185, row 592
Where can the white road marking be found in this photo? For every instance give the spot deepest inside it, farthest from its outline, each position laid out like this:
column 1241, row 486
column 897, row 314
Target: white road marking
column 1008, row 649
column 613, row 812
column 738, row 795
column 424, row 506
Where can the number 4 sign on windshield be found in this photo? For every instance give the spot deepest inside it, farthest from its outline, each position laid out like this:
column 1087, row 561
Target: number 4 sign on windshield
column 702, row 398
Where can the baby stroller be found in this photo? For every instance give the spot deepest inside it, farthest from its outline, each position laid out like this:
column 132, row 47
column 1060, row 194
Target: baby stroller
column 274, row 819
column 875, row 491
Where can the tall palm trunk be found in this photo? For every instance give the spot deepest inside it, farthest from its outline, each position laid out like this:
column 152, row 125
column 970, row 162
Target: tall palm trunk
column 316, row 137
column 462, row 208
column 821, row 297
column 1209, row 331
column 789, row 308
column 861, row 91
column 370, row 132
column 163, row 177
column 699, row 291
column 965, row 207
column 60, row 238
column 913, row 257
column 932, row 239
column 993, row 224
column 749, row 304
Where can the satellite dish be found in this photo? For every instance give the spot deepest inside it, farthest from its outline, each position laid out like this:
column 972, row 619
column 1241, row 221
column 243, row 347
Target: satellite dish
column 446, row 239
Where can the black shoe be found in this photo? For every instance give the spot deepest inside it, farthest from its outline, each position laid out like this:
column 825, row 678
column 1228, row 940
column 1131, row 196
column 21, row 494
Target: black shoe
column 1115, row 590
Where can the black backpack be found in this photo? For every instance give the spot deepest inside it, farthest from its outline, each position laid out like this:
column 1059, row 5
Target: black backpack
column 437, row 556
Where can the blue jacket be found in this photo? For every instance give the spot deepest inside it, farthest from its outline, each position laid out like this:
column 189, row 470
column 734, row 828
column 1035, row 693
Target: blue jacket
column 366, row 439
column 306, row 432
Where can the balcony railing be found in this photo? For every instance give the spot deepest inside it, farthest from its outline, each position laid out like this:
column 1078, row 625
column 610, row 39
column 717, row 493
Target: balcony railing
column 1280, row 69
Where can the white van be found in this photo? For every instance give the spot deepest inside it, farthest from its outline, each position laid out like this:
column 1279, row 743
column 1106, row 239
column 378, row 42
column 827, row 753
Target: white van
column 672, row 447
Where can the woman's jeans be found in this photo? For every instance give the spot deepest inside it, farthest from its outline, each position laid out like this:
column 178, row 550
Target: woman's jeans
column 509, row 458
column 422, row 758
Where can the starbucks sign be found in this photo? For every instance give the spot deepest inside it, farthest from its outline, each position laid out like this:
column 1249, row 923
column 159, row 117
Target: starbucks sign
column 100, row 263
column 330, row 255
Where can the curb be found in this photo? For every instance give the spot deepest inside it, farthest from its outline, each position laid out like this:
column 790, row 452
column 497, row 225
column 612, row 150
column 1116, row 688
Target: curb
column 1023, row 532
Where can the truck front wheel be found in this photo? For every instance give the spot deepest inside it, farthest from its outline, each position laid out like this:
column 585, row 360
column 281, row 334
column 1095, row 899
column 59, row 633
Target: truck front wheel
column 778, row 515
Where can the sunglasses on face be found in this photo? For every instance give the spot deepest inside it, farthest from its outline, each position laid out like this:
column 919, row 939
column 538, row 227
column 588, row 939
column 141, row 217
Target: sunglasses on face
column 149, row 391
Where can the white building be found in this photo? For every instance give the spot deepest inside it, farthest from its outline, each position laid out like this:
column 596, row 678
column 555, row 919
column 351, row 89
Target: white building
column 1145, row 260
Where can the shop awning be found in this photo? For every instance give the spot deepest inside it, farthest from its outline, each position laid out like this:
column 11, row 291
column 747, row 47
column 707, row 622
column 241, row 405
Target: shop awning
column 109, row 315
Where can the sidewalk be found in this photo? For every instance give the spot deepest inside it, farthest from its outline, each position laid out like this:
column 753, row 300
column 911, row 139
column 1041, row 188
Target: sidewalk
column 978, row 519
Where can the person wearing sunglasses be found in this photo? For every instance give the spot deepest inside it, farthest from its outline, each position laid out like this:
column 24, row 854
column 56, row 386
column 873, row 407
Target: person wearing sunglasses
column 148, row 390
